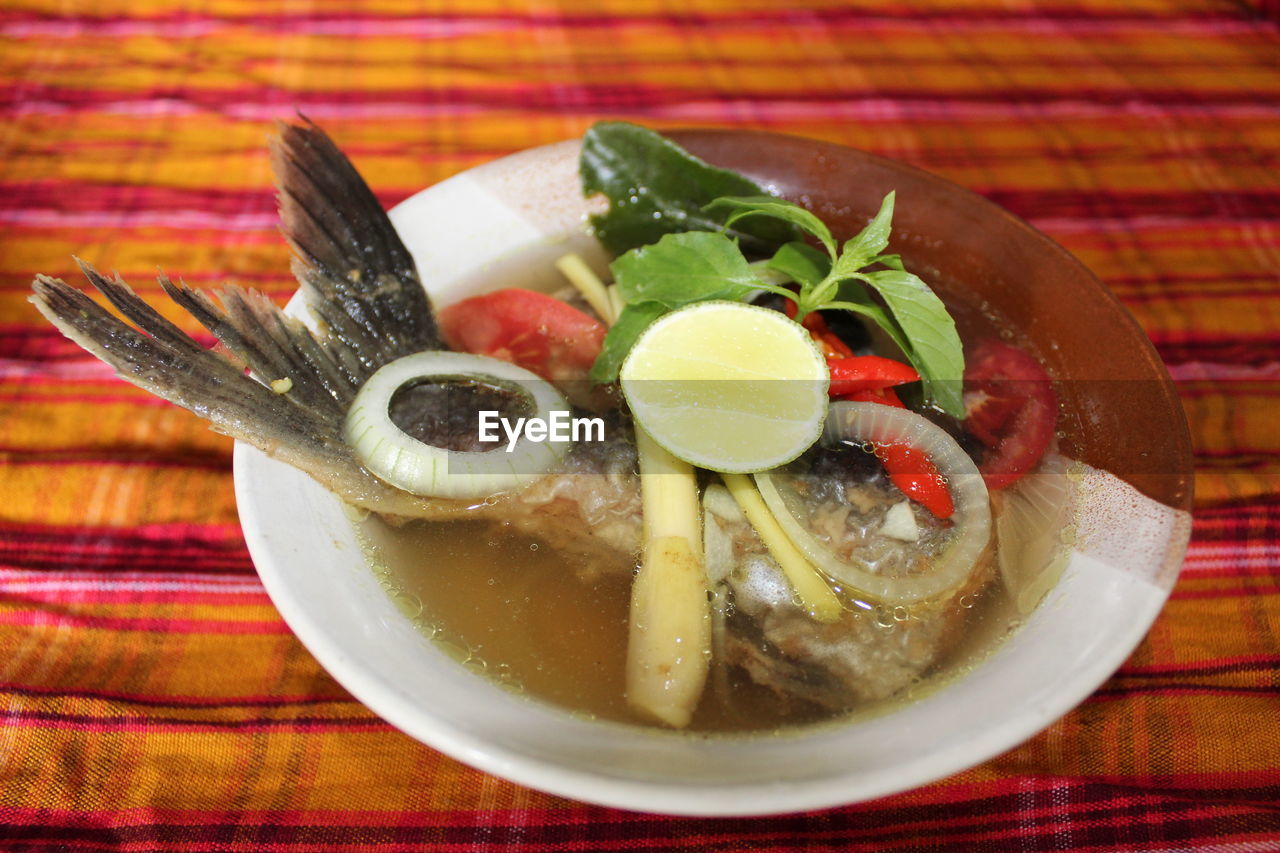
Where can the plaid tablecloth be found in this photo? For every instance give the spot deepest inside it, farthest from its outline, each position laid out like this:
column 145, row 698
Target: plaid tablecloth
column 151, row 699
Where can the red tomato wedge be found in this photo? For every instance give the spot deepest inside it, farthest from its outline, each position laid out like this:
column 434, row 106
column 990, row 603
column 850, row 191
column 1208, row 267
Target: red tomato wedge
column 1010, row 407
column 536, row 331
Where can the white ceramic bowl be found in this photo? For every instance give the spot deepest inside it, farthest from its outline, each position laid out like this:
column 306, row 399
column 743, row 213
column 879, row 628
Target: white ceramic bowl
column 503, row 224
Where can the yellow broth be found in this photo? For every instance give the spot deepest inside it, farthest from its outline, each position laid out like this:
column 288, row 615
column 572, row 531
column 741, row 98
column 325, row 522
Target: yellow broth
column 511, row 609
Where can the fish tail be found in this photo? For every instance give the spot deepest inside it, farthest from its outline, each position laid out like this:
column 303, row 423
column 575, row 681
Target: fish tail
column 159, row 358
column 290, row 383
column 357, row 276
column 274, row 345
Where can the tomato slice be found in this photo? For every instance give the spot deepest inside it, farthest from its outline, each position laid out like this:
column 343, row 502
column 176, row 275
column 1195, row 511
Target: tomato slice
column 1010, row 407
column 536, row 331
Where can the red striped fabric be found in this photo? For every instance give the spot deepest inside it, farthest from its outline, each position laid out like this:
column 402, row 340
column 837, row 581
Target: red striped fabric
column 151, row 699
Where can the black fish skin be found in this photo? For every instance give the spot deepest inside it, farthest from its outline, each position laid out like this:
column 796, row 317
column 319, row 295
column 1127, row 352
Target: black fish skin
column 367, row 318
column 357, row 277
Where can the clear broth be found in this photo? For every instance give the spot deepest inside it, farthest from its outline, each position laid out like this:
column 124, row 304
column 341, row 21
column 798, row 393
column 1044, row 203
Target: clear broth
column 511, row 609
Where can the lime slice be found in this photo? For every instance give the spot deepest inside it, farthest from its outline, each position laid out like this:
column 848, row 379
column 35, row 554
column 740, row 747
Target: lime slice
column 728, row 386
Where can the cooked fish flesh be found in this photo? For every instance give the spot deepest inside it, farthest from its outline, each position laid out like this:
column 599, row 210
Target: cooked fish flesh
column 870, row 653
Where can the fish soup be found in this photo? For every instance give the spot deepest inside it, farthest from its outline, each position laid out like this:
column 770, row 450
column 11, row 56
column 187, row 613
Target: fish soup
column 532, row 611
column 810, row 478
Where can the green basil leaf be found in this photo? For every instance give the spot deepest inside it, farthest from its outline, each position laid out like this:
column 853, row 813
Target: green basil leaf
column 803, row 263
column 633, row 320
column 740, row 207
column 893, row 262
column 853, row 296
column 935, row 346
column 655, row 187
column 870, row 242
column 683, row 268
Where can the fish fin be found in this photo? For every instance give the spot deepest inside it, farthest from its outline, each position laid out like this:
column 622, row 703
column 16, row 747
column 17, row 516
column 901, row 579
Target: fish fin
column 131, row 306
column 357, row 277
column 159, row 358
column 361, row 288
column 273, row 345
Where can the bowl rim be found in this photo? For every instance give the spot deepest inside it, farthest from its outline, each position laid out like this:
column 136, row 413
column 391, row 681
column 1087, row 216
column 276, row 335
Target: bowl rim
column 666, row 797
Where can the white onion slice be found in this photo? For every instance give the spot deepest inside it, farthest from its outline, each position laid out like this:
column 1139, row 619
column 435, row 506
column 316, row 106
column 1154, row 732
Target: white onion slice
column 862, row 423
column 1033, row 523
column 423, row 469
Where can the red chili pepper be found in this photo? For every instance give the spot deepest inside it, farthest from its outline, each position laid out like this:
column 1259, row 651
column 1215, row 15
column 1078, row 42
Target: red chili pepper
column 909, row 469
column 914, row 473
column 870, row 379
column 884, row 396
column 868, row 373
column 828, row 341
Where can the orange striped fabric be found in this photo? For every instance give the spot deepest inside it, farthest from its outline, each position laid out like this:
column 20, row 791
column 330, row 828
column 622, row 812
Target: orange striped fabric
column 150, row 696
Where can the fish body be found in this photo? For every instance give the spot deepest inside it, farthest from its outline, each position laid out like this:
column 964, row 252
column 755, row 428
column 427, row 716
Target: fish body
column 870, row 653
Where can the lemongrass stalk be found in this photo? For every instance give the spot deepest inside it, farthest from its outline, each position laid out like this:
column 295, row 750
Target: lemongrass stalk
column 669, row 645
column 581, row 276
column 669, row 640
column 616, row 300
column 806, row 581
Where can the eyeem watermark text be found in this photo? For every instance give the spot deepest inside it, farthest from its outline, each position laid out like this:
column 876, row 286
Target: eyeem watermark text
column 561, row 426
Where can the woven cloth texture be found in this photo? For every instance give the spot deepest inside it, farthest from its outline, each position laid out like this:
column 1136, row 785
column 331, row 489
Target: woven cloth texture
column 151, row 698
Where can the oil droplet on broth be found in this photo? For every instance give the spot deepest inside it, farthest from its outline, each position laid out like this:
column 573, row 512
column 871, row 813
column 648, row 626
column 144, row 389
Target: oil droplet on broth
column 407, row 603
column 458, row 652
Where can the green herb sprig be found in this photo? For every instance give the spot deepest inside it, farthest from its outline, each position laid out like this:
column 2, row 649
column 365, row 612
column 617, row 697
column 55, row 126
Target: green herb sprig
column 680, row 227
column 911, row 314
column 697, row 266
